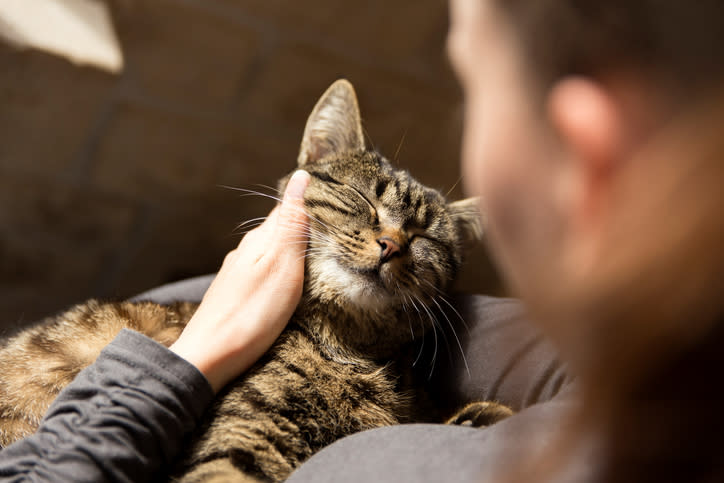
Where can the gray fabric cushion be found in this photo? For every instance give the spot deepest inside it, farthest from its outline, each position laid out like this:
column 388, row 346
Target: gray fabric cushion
column 429, row 453
column 189, row 290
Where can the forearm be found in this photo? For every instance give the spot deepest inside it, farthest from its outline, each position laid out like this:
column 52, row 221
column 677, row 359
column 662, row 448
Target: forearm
column 122, row 419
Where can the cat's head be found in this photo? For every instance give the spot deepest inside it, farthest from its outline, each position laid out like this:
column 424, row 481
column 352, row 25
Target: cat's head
column 378, row 238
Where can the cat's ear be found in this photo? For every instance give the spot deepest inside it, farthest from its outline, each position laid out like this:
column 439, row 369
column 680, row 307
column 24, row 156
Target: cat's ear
column 334, row 125
column 468, row 220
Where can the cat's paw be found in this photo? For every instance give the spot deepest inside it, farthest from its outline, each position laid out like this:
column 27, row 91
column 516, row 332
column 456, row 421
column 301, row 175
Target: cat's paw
column 480, row 414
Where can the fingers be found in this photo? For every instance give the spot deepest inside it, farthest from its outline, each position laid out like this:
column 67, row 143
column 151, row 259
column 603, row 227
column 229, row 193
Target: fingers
column 284, row 232
column 291, row 234
column 258, row 239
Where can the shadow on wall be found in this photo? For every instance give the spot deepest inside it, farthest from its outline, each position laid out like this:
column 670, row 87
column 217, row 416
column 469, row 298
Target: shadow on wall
column 110, row 182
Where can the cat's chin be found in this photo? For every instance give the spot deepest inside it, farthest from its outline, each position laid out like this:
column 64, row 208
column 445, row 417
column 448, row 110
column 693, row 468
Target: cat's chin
column 361, row 289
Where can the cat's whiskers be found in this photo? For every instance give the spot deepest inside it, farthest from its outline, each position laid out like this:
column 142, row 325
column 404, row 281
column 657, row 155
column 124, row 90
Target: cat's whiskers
column 248, row 229
column 442, row 296
column 454, row 186
column 437, row 325
column 266, row 186
column 301, row 234
column 322, row 251
column 308, row 234
column 404, row 308
column 255, row 221
column 312, row 250
column 454, row 332
column 249, row 192
column 304, row 234
column 399, row 146
column 434, row 329
column 407, row 297
column 433, row 297
column 412, row 304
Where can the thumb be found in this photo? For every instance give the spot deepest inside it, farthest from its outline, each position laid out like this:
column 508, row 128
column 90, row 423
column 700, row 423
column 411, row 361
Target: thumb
column 291, row 230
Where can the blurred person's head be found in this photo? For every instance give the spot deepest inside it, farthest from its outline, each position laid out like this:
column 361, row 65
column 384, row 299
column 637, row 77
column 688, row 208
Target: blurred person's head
column 593, row 137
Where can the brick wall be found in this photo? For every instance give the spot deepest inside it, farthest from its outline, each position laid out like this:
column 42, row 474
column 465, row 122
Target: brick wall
column 110, row 184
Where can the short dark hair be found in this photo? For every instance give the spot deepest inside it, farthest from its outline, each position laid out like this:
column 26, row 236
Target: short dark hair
column 678, row 43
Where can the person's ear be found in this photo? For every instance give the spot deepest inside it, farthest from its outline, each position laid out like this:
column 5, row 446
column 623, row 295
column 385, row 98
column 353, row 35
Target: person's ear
column 590, row 126
column 588, row 121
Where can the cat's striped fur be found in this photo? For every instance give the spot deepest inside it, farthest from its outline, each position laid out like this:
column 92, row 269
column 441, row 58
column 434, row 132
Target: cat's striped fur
column 382, row 249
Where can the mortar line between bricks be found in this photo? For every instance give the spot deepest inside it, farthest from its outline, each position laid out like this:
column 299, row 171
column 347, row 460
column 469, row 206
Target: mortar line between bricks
column 110, row 275
column 151, row 102
column 363, row 58
column 178, row 109
column 83, row 164
column 268, row 45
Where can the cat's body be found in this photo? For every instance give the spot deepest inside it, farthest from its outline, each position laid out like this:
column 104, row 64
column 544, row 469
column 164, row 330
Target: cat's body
column 382, row 248
column 40, row 361
column 299, row 399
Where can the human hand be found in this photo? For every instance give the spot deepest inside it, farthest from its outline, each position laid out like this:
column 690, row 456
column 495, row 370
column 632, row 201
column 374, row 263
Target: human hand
column 253, row 296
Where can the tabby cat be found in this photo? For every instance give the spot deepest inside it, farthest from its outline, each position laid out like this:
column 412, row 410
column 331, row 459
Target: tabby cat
column 382, row 247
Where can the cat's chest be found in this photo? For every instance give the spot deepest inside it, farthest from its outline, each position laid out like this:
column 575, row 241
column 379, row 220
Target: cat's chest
column 355, row 337
column 299, row 382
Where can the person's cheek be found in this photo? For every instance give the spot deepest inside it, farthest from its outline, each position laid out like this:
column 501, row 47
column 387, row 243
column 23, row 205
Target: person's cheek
column 473, row 149
column 490, row 172
column 483, row 163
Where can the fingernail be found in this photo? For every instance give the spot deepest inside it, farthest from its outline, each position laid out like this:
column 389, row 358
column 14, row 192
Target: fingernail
column 297, row 184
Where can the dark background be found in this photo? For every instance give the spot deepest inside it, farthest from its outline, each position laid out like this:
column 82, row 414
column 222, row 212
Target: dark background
column 110, row 184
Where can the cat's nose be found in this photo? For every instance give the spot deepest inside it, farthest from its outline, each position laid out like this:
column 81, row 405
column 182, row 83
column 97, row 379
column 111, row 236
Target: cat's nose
column 389, row 248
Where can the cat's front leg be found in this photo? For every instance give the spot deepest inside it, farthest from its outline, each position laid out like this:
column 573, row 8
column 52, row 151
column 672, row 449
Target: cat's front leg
column 480, row 414
column 221, row 470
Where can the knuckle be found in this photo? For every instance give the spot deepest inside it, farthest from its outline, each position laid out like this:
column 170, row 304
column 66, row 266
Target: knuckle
column 231, row 257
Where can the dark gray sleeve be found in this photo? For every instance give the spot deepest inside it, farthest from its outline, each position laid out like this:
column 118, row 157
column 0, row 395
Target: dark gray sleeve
column 123, row 419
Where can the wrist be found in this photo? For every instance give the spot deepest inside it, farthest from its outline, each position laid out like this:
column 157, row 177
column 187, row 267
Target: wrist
column 220, row 356
column 206, row 358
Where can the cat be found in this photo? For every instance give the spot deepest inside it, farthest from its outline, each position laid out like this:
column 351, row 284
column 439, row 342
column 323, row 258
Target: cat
column 382, row 248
